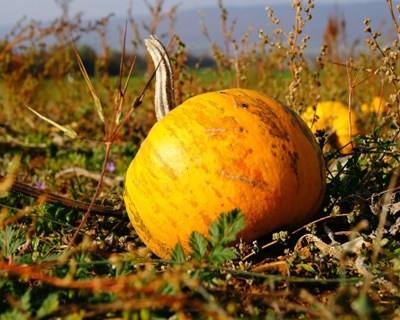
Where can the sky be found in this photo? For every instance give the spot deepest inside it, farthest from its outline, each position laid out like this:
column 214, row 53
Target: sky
column 45, row 10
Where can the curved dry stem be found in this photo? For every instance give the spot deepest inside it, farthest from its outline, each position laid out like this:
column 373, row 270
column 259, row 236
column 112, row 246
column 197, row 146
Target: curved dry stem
column 164, row 99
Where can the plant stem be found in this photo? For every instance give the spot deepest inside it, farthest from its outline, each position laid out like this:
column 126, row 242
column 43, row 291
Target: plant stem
column 97, row 192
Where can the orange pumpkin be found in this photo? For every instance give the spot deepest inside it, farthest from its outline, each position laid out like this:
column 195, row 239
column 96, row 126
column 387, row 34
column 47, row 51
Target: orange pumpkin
column 216, row 152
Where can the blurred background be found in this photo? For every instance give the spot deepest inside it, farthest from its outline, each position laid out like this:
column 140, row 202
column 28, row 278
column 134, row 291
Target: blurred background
column 249, row 15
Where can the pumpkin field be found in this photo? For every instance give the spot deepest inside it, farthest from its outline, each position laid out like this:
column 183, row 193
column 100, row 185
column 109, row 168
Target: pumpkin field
column 259, row 180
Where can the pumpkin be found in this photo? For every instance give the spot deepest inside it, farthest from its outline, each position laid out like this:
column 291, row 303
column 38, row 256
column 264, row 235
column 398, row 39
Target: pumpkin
column 216, row 152
column 333, row 117
column 377, row 106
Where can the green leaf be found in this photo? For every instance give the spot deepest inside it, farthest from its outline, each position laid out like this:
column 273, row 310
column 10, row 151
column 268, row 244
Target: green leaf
column 222, row 233
column 49, row 305
column 178, row 256
column 362, row 306
column 11, row 238
column 25, row 301
column 226, row 228
column 167, row 289
column 199, row 245
column 307, row 267
column 220, row 254
column 145, row 314
column 76, row 316
column 13, row 315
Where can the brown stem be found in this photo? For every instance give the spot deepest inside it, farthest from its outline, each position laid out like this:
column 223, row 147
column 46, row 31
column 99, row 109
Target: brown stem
column 394, row 19
column 350, row 102
column 97, row 285
column 97, row 192
column 69, row 203
column 31, row 191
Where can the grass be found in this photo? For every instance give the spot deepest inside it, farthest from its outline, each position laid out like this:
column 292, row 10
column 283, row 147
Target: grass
column 345, row 264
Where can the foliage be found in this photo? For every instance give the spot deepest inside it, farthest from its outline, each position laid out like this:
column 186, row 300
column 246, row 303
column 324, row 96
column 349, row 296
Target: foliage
column 214, row 250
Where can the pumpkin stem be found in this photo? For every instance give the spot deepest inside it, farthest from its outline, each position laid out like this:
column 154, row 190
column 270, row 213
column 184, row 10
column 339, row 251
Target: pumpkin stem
column 164, row 99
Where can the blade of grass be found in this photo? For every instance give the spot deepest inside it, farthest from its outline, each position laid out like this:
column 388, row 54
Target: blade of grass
column 121, row 62
column 68, row 131
column 97, row 102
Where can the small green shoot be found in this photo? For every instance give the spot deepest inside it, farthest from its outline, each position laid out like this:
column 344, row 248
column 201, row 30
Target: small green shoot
column 216, row 248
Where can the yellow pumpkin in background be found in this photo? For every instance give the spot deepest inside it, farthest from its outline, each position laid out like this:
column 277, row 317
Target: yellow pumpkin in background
column 377, row 105
column 333, row 117
column 216, row 152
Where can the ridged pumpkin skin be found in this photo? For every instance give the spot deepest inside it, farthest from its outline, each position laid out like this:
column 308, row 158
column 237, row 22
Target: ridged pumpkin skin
column 216, row 152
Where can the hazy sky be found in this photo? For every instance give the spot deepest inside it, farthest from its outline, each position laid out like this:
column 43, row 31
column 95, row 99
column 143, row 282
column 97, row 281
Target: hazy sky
column 12, row 10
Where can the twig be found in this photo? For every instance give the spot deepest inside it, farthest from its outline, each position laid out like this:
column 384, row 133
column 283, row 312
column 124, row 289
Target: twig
column 125, row 285
column 31, row 191
column 96, row 193
column 383, row 217
column 394, row 19
column 87, row 174
column 97, row 285
column 296, row 231
column 291, row 279
column 350, row 101
column 15, row 144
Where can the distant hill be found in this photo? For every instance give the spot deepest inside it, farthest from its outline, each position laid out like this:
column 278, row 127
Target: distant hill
column 188, row 23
